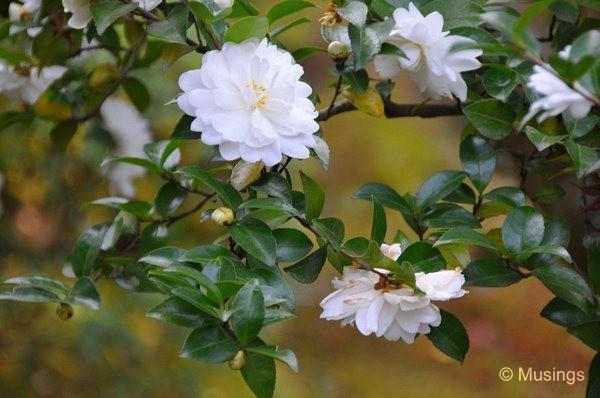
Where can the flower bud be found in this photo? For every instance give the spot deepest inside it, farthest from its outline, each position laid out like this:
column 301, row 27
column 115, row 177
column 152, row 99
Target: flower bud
column 223, row 216
column 64, row 311
column 338, row 51
column 238, row 361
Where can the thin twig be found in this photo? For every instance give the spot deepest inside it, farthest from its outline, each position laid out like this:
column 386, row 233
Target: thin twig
column 393, row 110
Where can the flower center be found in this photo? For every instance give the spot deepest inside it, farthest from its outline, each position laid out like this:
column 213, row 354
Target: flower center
column 22, row 71
column 259, row 93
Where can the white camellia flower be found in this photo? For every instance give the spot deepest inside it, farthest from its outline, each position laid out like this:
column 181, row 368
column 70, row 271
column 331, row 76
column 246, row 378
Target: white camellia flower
column 391, row 251
column 130, row 132
column 20, row 12
column 82, row 14
column 23, row 84
column 248, row 99
column 434, row 59
column 555, row 96
column 391, row 311
column 441, row 285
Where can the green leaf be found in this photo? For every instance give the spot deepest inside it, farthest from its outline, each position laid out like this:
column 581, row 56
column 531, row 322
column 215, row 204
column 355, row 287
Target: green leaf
column 84, row 294
column 449, row 215
column 174, row 27
column 40, row 282
column 164, row 257
column 490, row 272
column 588, row 333
column 314, row 197
column 153, row 237
column 466, row 236
column 565, row 283
column 450, row 337
column 83, row 257
column 365, row 45
column 192, row 296
column 226, row 192
column 246, row 28
column 384, row 195
column 584, row 157
column 500, row 81
column 423, row 257
column 275, row 289
column 330, row 229
column 211, row 290
column 379, row 224
column 593, row 384
column 455, row 12
column 248, row 308
column 108, row 11
column 510, row 196
column 523, row 230
column 305, row 52
column 270, row 203
column 275, row 185
column 292, row 244
column 402, row 272
column 492, row 118
column 29, row 294
column 178, row 312
column 206, row 254
column 541, row 140
column 437, row 187
column 62, row 133
column 182, row 129
column 137, row 93
column 256, row 238
column 566, row 314
column 308, row 269
column 276, row 32
column 210, row 344
column 586, row 44
column 358, row 80
column 478, row 159
column 259, row 374
column 549, row 193
column 135, row 161
column 169, row 199
column 284, row 8
column 354, row 12
column 286, row 356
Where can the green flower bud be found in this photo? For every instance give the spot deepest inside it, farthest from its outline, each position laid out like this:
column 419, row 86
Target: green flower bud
column 338, row 51
column 238, row 361
column 223, row 216
column 64, row 311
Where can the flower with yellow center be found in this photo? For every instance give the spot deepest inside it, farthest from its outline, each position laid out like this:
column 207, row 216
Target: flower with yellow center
column 248, row 99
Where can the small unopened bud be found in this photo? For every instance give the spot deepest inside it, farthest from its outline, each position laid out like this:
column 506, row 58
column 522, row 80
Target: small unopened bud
column 338, row 51
column 223, row 216
column 64, row 311
column 238, row 361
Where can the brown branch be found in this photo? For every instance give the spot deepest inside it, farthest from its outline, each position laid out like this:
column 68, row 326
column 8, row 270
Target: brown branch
column 393, row 110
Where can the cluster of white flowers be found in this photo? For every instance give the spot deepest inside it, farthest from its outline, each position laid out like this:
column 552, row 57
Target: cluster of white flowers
column 26, row 84
column 20, row 12
column 392, row 312
column 555, row 95
column 434, row 59
column 82, row 14
column 248, row 99
column 130, row 132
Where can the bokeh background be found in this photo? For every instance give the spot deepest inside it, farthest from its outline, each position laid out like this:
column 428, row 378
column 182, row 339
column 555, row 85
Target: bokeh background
column 118, row 352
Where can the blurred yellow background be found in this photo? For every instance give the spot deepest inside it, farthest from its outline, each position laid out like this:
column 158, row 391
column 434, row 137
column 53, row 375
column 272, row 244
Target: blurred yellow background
column 118, row 352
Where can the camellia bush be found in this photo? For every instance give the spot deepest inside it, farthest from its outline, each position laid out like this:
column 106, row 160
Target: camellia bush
column 528, row 89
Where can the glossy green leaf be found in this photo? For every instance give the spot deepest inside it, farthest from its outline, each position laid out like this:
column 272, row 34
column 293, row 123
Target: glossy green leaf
column 210, row 344
column 523, row 230
column 490, row 272
column 541, row 140
column 106, row 12
column 565, row 283
column 226, row 192
column 286, row 356
column 259, row 374
column 246, row 28
column 478, row 159
column 256, row 238
column 314, row 197
column 174, row 27
column 437, row 187
column 492, row 118
column 466, row 236
column 284, row 8
column 248, row 313
column 178, row 312
column 450, row 337
column 308, row 269
column 384, row 195
column 292, row 244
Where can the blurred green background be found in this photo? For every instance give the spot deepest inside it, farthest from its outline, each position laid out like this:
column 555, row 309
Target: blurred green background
column 118, row 352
